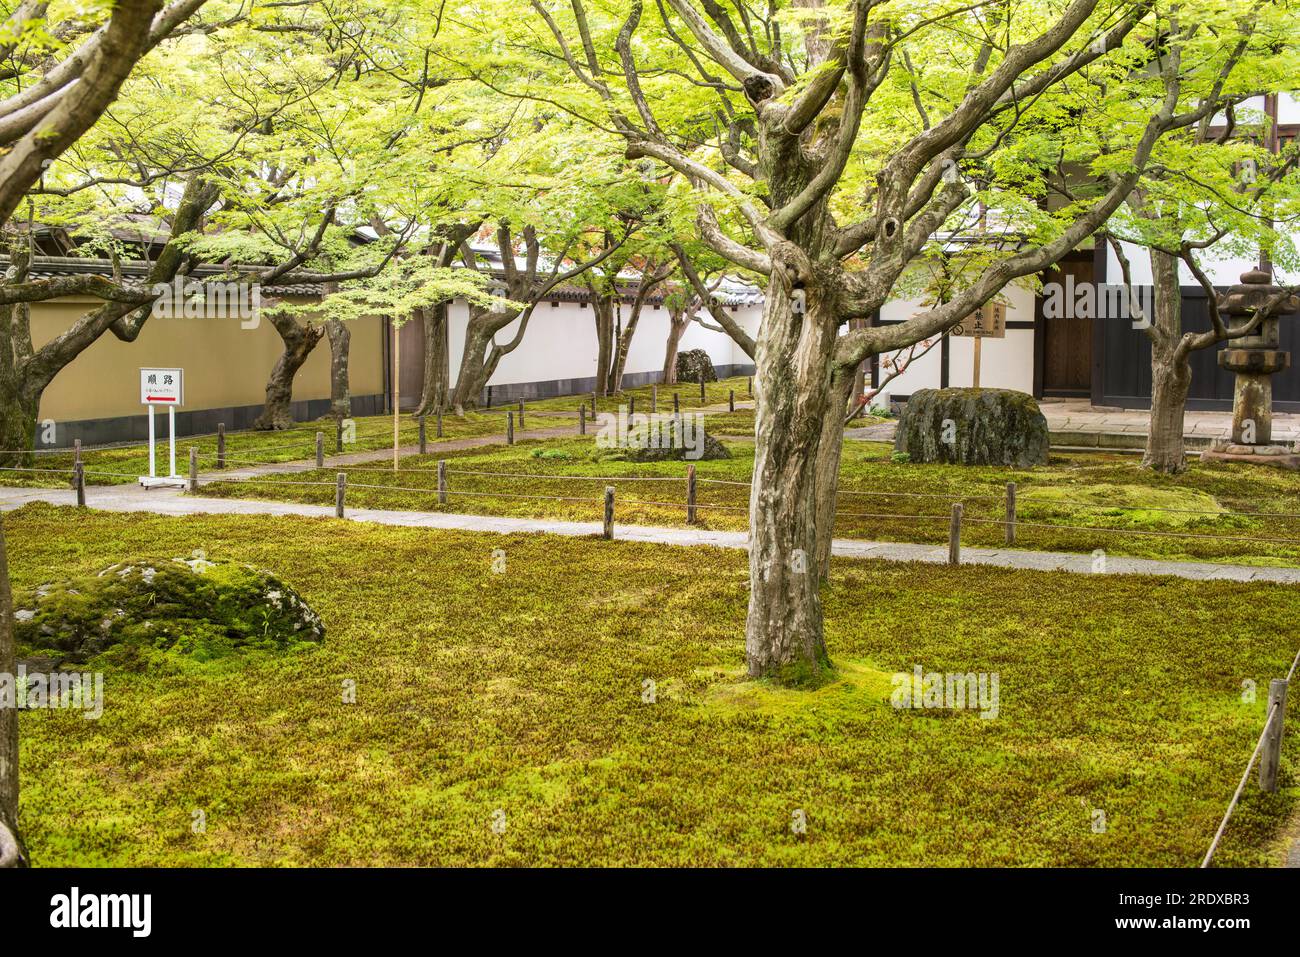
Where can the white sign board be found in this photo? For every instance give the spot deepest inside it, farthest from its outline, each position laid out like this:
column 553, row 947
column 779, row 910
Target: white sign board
column 161, row 387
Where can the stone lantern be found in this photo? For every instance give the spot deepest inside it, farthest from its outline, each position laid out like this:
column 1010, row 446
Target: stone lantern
column 1254, row 358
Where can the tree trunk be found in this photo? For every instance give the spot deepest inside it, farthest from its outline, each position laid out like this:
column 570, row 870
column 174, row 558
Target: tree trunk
column 471, row 380
column 340, row 337
column 12, row 852
column 828, row 471
column 783, row 630
column 437, row 369
column 299, row 340
column 603, row 308
column 677, row 323
column 1171, row 372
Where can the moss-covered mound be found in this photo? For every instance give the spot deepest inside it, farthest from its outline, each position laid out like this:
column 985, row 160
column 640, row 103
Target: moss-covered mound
column 973, row 427
column 192, row 606
column 1118, row 506
column 643, row 445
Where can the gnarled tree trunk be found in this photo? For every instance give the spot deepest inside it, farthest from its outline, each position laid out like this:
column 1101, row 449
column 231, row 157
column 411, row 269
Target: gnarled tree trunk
column 828, row 468
column 1171, row 370
column 678, row 320
column 437, row 352
column 603, row 308
column 340, row 337
column 299, row 340
column 783, row 629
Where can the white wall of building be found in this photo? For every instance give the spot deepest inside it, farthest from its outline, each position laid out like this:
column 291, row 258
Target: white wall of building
column 560, row 342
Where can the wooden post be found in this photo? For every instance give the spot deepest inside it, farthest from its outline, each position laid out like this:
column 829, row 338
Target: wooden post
column 79, row 479
column 593, row 404
column 397, row 396
column 1011, row 513
column 489, row 397
column 582, row 419
column 975, row 374
column 320, row 450
column 339, row 490
column 954, row 535
column 654, row 399
column 631, row 409
column 510, row 428
column 749, row 386
column 1272, row 753
column 194, row 468
column 701, row 387
column 690, row 494
column 424, row 438
column 731, row 400
column 338, row 435
column 677, row 403
column 609, row 512
column 437, row 428
column 76, row 459
column 521, row 414
column 442, row 481
column 221, row 445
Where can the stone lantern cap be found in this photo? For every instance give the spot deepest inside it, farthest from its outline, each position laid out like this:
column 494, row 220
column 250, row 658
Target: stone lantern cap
column 1254, row 292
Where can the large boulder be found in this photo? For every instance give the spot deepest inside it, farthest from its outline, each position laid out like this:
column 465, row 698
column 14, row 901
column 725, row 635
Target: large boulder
column 693, row 363
column 973, row 427
column 191, row 606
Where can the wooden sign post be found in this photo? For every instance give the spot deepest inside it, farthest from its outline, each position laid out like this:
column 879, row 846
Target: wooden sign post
column 987, row 322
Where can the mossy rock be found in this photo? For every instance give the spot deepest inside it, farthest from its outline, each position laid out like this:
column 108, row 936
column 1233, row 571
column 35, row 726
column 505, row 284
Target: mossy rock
column 192, row 606
column 693, row 363
column 973, row 427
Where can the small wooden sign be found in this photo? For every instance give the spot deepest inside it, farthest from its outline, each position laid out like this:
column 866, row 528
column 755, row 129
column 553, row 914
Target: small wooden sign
column 987, row 322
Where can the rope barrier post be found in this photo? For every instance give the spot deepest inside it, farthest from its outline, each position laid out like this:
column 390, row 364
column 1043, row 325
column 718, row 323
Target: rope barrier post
column 194, row 468
column 654, row 399
column 1011, row 513
column 609, row 512
column 593, row 404
column 437, row 426
column 749, row 386
column 582, row 419
column 221, row 445
column 442, row 481
column 631, row 409
column 521, row 414
column 1272, row 753
column 677, row 404
column 424, row 439
column 340, row 489
column 338, row 435
column 954, row 535
column 79, row 480
column 701, row 386
column 320, row 450
column 731, row 400
column 510, row 428
column 76, row 457
column 690, row 494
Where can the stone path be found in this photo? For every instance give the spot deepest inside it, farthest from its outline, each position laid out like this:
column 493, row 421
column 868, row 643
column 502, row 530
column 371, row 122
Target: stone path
column 132, row 498
column 1074, row 423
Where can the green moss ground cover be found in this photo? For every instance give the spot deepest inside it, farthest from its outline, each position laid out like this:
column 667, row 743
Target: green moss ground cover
column 1094, row 500
column 523, row 691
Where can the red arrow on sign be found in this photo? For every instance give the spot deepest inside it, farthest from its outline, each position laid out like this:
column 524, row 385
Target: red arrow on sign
column 160, row 398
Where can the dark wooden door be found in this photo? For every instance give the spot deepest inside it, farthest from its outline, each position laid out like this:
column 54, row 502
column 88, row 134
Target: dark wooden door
column 1067, row 342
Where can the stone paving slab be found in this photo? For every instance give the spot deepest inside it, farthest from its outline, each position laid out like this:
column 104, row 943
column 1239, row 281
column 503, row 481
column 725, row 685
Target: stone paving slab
column 133, row 498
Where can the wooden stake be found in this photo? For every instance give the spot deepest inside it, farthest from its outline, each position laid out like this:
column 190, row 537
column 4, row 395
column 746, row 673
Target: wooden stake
column 701, row 387
column 654, row 399
column 521, row 415
column 1270, row 757
column 442, row 481
column 677, row 404
column 609, row 512
column 397, row 376
column 437, row 429
column 76, row 459
column 221, row 445
column 582, row 419
column 690, row 494
column 1011, row 513
column 194, row 468
column 338, row 435
column 320, row 450
column 510, row 428
column 79, row 479
column 340, row 490
column 731, row 400
column 424, row 438
column 954, row 535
